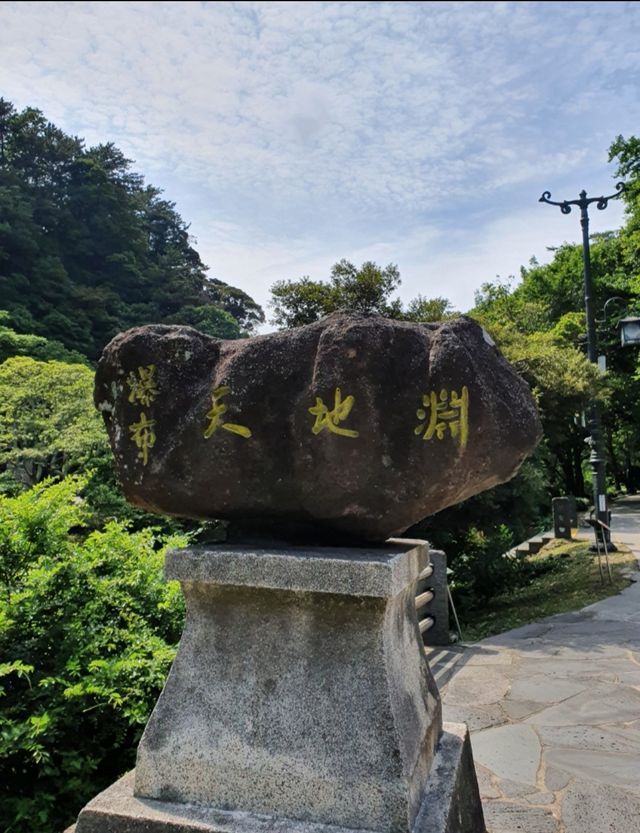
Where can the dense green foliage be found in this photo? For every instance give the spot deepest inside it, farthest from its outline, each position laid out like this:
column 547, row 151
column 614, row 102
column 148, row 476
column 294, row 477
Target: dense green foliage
column 87, row 634
column 37, row 347
column 87, row 249
column 540, row 326
column 368, row 289
column 48, row 424
column 477, row 533
column 549, row 356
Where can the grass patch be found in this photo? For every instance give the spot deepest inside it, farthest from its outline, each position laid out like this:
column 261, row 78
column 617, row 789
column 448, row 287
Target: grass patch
column 568, row 579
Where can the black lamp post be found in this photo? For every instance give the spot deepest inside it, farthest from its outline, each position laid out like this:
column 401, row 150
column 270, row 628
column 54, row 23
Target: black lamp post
column 596, row 458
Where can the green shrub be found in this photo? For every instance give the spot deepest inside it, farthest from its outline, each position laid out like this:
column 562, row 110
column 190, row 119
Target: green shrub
column 482, row 569
column 488, row 567
column 87, row 635
column 48, row 424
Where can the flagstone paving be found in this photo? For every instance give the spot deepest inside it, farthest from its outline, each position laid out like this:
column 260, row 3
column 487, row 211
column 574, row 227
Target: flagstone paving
column 554, row 713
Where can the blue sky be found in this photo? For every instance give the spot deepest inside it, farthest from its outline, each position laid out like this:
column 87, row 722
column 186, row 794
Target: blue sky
column 291, row 135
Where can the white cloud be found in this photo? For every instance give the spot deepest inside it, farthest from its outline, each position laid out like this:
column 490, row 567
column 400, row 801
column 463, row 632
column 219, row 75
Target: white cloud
column 504, row 246
column 292, row 134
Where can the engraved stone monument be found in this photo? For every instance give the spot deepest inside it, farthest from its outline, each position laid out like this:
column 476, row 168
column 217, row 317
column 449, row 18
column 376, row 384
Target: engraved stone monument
column 300, row 700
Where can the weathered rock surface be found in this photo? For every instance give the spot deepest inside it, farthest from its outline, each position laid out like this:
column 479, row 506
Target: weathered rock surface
column 356, row 424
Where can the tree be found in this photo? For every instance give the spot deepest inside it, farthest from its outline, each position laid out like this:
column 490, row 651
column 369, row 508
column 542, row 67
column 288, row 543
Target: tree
column 87, row 249
column 559, row 285
column 622, row 420
column 236, row 303
column 364, row 290
column 88, row 629
column 36, row 347
column 550, row 357
column 48, row 424
column 428, row 309
column 626, row 152
column 211, row 320
column 296, row 303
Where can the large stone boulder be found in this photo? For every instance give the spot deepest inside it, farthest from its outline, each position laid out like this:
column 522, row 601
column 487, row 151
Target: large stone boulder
column 355, row 425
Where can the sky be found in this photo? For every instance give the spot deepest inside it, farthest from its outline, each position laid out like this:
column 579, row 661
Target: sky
column 292, row 135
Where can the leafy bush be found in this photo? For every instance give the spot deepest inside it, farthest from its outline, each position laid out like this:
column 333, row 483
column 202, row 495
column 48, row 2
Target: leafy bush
column 48, row 424
column 488, row 567
column 476, row 534
column 482, row 569
column 87, row 635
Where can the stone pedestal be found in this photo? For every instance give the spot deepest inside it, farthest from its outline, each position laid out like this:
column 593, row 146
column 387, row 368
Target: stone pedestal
column 300, row 698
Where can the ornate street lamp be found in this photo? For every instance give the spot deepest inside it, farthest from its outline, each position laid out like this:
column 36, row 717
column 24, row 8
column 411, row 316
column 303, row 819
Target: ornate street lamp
column 596, row 459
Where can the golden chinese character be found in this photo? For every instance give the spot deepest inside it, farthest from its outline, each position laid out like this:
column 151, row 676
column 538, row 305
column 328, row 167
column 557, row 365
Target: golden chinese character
column 330, row 419
column 216, row 412
column 143, row 436
column 143, row 386
column 445, row 411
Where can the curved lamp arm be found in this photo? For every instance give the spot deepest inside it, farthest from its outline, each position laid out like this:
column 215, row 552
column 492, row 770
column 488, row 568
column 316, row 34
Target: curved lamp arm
column 583, row 202
column 603, row 320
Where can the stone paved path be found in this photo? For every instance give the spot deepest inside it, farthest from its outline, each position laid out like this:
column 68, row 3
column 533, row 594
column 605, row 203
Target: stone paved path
column 554, row 713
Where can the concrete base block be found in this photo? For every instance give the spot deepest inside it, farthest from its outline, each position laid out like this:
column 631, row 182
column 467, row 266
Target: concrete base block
column 452, row 800
column 451, row 804
column 300, row 700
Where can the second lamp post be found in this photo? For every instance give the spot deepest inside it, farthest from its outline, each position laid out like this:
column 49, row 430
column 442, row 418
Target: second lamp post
column 596, row 458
